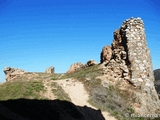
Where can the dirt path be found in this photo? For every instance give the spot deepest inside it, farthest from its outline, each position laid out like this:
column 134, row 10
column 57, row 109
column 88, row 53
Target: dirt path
column 79, row 95
column 49, row 94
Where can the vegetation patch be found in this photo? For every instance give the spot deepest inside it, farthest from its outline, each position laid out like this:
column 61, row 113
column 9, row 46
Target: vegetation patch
column 110, row 98
column 21, row 89
column 59, row 92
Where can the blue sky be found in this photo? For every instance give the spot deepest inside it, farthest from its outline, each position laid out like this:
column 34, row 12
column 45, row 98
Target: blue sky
column 36, row 34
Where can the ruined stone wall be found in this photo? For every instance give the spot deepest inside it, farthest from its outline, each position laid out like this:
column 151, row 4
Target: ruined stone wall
column 133, row 33
column 130, row 64
column 130, row 54
column 50, row 70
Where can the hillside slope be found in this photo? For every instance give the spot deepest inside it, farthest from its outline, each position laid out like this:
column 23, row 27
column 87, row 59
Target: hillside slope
column 81, row 93
column 157, row 74
column 42, row 94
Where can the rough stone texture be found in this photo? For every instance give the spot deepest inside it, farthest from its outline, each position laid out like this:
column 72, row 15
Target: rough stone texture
column 129, row 54
column 91, row 63
column 74, row 67
column 130, row 63
column 50, row 70
column 106, row 54
column 12, row 73
column 138, row 52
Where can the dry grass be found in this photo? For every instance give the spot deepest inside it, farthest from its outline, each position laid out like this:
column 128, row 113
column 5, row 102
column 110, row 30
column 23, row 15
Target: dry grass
column 21, row 89
column 59, row 92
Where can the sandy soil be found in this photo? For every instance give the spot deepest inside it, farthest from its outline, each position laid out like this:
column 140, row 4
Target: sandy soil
column 79, row 95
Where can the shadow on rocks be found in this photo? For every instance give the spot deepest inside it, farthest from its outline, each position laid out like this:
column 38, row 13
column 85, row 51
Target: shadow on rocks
column 27, row 109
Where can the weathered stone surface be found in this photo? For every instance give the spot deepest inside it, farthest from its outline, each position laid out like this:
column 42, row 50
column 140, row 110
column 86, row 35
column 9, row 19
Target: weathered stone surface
column 129, row 53
column 50, row 70
column 106, row 54
column 130, row 63
column 130, row 47
column 12, row 73
column 74, row 67
column 91, row 63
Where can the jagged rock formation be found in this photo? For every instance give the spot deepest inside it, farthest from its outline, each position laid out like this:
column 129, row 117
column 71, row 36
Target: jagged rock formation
column 128, row 60
column 76, row 66
column 50, row 70
column 12, row 73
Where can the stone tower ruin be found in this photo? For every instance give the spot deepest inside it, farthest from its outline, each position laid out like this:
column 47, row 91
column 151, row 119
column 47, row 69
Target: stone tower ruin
column 128, row 60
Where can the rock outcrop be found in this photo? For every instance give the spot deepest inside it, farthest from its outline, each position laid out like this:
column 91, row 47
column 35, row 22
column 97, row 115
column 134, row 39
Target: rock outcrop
column 50, row 70
column 106, row 54
column 76, row 66
column 128, row 60
column 91, row 63
column 12, row 73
